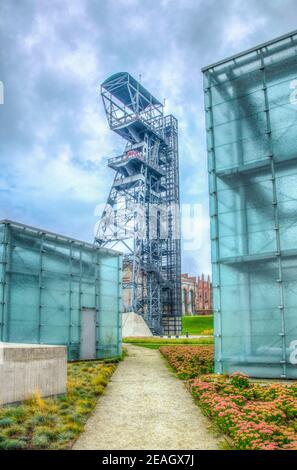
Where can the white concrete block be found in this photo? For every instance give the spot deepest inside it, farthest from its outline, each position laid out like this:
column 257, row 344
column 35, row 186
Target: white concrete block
column 27, row 368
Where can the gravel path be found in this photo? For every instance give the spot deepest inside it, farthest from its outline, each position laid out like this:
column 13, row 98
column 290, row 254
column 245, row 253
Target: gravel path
column 145, row 407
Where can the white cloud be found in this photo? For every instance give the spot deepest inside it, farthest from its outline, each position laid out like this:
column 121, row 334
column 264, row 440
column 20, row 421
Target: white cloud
column 77, row 59
column 98, row 140
column 59, row 177
column 238, row 28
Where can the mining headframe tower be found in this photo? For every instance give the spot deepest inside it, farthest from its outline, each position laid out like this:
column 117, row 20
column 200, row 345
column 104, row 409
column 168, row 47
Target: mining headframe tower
column 141, row 216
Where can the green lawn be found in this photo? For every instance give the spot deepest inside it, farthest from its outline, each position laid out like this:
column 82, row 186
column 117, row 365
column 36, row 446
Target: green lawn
column 198, row 324
column 156, row 343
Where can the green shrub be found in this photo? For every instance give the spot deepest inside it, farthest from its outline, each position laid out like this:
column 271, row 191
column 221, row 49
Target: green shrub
column 99, row 390
column 65, row 436
column 239, row 380
column 75, row 418
column 14, row 430
column 40, row 441
column 38, row 419
column 12, row 444
column 50, row 433
column 17, row 413
column 5, row 422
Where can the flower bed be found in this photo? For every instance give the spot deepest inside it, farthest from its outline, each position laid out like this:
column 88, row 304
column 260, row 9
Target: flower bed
column 189, row 361
column 255, row 416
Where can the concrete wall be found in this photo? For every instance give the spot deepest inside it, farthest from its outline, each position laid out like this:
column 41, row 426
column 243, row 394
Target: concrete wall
column 26, row 368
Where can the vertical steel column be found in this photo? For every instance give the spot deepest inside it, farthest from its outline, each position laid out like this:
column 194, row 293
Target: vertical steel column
column 215, row 224
column 70, row 291
column 120, row 288
column 276, row 218
column 79, row 295
column 243, row 194
column 96, row 255
column 7, row 306
column 3, row 282
column 40, row 286
column 171, row 246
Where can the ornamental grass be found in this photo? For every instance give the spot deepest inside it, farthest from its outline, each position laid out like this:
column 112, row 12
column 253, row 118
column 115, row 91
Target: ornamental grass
column 55, row 423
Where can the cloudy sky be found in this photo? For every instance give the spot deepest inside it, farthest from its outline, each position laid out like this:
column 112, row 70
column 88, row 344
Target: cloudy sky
column 54, row 139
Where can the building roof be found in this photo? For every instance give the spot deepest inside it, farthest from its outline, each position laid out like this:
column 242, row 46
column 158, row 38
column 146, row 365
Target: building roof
column 57, row 236
column 248, row 51
column 124, row 87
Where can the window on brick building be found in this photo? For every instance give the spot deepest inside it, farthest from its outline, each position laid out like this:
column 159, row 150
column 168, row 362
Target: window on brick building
column 192, row 301
column 185, row 299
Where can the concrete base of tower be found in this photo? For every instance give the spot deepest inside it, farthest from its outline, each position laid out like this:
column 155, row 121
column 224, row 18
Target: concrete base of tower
column 134, row 325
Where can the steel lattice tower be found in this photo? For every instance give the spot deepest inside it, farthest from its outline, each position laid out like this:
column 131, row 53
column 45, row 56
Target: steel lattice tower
column 142, row 210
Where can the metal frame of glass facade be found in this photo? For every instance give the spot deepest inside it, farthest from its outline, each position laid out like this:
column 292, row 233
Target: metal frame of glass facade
column 251, row 121
column 47, row 279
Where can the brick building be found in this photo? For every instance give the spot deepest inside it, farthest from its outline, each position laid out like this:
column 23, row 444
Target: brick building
column 196, row 295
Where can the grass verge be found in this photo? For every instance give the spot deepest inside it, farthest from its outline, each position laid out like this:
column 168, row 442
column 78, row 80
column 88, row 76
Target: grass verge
column 55, row 423
column 156, row 342
column 197, row 324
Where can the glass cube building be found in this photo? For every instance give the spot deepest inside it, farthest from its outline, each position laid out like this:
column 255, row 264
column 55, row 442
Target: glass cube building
column 251, row 121
column 57, row 290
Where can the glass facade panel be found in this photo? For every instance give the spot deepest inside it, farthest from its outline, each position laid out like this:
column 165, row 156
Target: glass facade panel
column 251, row 121
column 45, row 282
